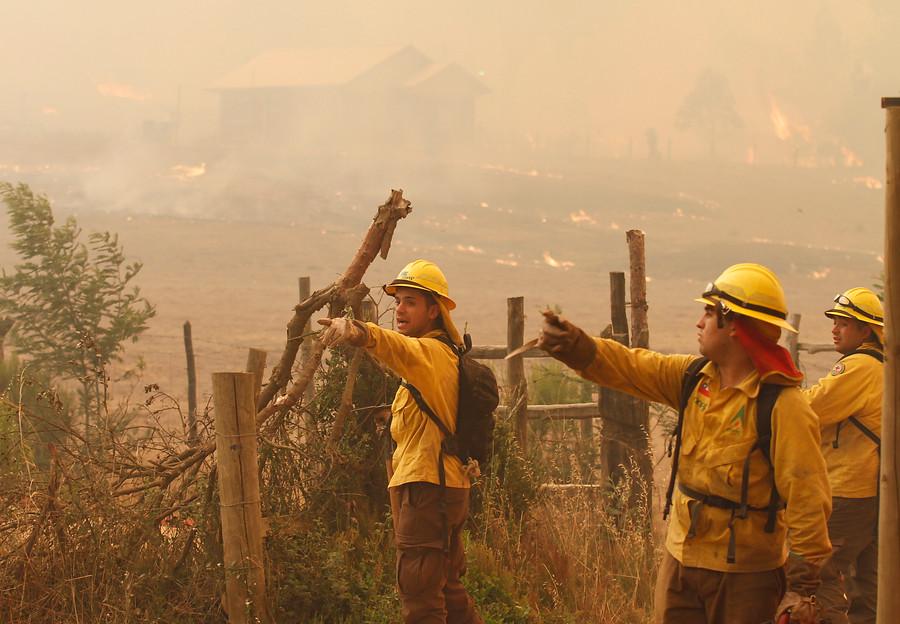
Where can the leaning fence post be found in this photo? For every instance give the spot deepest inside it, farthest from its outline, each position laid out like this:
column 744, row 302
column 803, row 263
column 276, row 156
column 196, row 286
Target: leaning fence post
column 515, row 368
column 792, row 340
column 239, row 500
column 192, row 383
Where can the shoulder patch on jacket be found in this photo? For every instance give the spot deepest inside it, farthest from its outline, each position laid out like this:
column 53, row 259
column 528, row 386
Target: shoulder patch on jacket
column 837, row 369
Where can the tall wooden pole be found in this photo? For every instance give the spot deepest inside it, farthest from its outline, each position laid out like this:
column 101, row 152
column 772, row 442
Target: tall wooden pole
column 192, row 383
column 889, row 522
column 239, row 499
column 518, row 396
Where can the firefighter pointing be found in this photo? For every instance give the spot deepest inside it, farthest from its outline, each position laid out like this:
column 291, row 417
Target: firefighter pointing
column 848, row 403
column 747, row 467
column 429, row 489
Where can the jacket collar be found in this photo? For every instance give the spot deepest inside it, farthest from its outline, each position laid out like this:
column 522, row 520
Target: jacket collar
column 749, row 385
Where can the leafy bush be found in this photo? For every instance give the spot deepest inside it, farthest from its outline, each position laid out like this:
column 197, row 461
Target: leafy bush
column 73, row 304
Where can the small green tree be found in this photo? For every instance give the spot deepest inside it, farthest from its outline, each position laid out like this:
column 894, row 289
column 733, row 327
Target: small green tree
column 72, row 303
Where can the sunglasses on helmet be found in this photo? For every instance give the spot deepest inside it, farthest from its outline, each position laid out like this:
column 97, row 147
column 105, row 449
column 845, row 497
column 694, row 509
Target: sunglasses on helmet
column 714, row 291
column 844, row 300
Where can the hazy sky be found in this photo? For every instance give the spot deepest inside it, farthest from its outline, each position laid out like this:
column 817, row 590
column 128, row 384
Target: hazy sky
column 610, row 69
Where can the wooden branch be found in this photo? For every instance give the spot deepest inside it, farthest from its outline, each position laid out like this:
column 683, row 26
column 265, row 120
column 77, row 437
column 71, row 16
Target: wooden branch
column 346, row 404
column 377, row 241
column 293, row 396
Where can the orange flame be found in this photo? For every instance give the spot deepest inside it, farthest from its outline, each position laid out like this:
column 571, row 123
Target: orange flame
column 850, row 157
column 122, row 91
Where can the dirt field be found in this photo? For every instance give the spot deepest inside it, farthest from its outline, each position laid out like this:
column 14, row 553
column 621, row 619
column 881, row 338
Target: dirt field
column 497, row 232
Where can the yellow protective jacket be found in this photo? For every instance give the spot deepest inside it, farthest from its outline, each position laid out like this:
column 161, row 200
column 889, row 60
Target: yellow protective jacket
column 718, row 433
column 431, row 366
column 854, row 387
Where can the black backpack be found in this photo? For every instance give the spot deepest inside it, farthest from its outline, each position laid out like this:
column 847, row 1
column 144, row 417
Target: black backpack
column 478, row 398
column 768, row 394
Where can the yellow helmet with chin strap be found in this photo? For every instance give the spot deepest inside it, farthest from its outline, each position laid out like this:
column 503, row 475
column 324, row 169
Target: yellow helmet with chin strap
column 860, row 304
column 752, row 290
column 422, row 275
column 426, row 276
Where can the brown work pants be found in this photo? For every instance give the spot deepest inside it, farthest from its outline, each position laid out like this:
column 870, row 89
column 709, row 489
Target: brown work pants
column 852, row 529
column 428, row 576
column 699, row 596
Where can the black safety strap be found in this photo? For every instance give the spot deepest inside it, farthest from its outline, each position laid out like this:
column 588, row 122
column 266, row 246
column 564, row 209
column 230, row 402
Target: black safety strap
column 738, row 511
column 689, row 382
column 768, row 394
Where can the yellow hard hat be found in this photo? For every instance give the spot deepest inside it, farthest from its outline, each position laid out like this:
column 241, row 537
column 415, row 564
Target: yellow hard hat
column 423, row 275
column 752, row 290
column 860, row 304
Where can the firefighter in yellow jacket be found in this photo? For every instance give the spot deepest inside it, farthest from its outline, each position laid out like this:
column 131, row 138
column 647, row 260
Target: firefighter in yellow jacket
column 428, row 520
column 848, row 403
column 726, row 551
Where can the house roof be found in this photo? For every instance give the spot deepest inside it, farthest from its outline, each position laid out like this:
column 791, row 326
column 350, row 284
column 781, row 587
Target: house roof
column 401, row 65
column 288, row 67
column 443, row 76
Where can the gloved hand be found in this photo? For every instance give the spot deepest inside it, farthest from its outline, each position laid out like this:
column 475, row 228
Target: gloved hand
column 566, row 342
column 341, row 331
column 797, row 609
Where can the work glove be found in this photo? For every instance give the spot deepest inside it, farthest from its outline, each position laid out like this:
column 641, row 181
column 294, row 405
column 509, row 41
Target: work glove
column 343, row 331
column 797, row 609
column 565, row 342
column 799, row 602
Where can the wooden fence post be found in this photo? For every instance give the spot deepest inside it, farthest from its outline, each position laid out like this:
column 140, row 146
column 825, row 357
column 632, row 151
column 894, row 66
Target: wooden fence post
column 614, row 405
column 639, row 427
column 256, row 364
column 238, row 478
column 640, row 330
column 192, row 383
column 889, row 523
column 518, row 394
column 792, row 340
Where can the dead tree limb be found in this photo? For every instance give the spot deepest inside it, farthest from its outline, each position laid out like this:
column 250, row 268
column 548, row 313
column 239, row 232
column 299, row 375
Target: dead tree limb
column 293, row 395
column 346, row 399
column 377, row 241
column 346, row 291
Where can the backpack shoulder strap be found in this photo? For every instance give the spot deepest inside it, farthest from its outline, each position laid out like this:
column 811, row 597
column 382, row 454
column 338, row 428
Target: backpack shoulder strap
column 688, row 384
column 765, row 403
column 457, row 350
column 866, row 431
column 878, row 355
column 420, row 401
column 875, row 353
